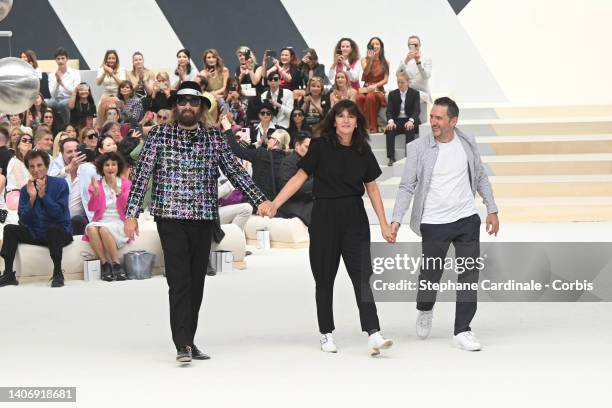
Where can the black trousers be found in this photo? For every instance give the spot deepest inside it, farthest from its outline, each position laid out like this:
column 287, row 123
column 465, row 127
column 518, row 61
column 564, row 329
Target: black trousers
column 55, row 239
column 79, row 222
column 464, row 234
column 340, row 228
column 186, row 247
column 399, row 130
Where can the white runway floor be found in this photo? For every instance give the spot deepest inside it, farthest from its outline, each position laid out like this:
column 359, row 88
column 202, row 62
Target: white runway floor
column 112, row 341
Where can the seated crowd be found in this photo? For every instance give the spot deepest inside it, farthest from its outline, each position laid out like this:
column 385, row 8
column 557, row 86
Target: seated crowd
column 66, row 161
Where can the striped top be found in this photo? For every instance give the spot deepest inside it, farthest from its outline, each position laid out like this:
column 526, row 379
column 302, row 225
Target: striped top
column 185, row 167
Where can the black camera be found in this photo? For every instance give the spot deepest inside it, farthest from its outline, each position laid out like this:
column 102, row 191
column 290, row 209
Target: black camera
column 370, row 47
column 338, row 51
column 247, row 55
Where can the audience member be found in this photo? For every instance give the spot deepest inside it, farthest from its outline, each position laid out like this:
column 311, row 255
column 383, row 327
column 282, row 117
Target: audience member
column 16, row 173
column 30, row 57
column 43, row 141
column 266, row 160
column 66, row 166
column 297, row 125
column 314, row 104
column 89, row 138
column 61, row 84
column 261, row 131
column 403, row 109
column 375, row 76
column 341, row 89
column 184, row 70
column 14, row 135
column 160, row 93
column 281, row 100
column 249, row 73
column 56, row 144
column 108, row 202
column 81, row 105
column 300, row 204
column 110, row 75
column 215, row 72
column 237, row 103
column 418, row 69
column 141, row 78
column 44, row 219
column 231, row 208
column 286, row 67
column 346, row 59
column 132, row 111
column 106, row 144
column 5, row 152
column 38, row 109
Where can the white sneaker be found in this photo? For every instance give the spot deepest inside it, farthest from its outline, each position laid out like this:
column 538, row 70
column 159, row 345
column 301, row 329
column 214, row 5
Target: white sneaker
column 423, row 323
column 327, row 343
column 377, row 342
column 467, row 341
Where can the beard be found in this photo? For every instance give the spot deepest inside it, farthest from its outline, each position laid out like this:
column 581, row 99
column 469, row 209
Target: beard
column 185, row 118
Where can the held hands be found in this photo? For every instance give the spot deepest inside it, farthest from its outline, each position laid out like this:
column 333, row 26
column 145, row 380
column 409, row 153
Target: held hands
column 130, row 227
column 267, row 208
column 387, row 233
column 492, row 224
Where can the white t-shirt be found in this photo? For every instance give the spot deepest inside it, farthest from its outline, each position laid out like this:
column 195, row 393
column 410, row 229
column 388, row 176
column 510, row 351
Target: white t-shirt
column 75, row 204
column 450, row 196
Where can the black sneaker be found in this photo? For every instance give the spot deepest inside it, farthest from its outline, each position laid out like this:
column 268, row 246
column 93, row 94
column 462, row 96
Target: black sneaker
column 58, row 280
column 183, row 354
column 197, row 354
column 8, row 278
column 390, row 162
column 107, row 272
column 119, row 272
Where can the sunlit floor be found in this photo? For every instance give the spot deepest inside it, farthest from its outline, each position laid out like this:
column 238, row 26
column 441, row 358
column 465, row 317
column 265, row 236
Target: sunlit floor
column 112, row 341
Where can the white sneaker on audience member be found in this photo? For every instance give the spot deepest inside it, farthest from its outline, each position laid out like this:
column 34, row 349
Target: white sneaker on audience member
column 467, row 341
column 377, row 342
column 327, row 343
column 423, row 323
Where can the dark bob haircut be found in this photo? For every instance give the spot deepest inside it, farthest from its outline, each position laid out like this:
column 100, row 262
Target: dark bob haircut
column 110, row 156
column 327, row 130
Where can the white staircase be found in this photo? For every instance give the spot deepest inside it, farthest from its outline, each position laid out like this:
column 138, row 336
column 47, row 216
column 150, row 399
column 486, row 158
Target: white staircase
column 546, row 163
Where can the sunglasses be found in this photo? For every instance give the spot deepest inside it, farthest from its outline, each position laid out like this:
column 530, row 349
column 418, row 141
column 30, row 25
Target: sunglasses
column 162, row 117
column 273, row 79
column 296, row 114
column 92, row 136
column 183, row 101
column 25, row 140
column 265, row 113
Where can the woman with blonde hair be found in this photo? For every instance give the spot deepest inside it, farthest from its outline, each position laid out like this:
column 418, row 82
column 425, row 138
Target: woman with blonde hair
column 215, row 73
column 341, row 89
column 88, row 137
column 314, row 104
column 140, row 77
column 56, row 142
column 266, row 159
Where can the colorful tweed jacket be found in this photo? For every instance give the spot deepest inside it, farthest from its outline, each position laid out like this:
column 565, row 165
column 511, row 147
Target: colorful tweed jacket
column 185, row 166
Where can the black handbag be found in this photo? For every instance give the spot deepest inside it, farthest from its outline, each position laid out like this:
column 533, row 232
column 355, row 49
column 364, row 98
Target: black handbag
column 3, row 214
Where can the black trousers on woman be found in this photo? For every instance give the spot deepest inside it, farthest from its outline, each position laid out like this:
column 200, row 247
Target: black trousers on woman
column 340, row 228
column 186, row 247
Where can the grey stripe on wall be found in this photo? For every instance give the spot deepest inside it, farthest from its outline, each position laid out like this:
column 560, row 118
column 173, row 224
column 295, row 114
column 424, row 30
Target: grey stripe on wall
column 36, row 26
column 227, row 25
column 458, row 5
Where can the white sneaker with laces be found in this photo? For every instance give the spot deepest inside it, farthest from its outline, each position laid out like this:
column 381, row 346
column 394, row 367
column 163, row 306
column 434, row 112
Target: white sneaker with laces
column 423, row 323
column 327, row 343
column 467, row 341
column 377, row 342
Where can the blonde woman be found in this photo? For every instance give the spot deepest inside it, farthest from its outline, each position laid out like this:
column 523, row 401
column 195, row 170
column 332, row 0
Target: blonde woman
column 56, row 142
column 140, row 77
column 313, row 104
column 215, row 73
column 341, row 90
column 266, row 159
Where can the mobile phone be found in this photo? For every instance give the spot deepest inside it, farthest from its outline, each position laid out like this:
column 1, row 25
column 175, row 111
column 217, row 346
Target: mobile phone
column 370, row 47
column 338, row 51
column 411, row 47
column 272, row 53
column 247, row 55
column 162, row 85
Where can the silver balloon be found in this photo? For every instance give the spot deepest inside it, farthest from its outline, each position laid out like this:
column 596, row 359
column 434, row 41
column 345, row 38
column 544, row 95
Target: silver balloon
column 19, row 85
column 5, row 8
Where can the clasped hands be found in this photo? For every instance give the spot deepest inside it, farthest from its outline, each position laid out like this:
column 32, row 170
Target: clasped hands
column 267, row 208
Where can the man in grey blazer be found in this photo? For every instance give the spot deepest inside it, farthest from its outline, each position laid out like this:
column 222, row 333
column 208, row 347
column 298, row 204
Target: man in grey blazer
column 442, row 175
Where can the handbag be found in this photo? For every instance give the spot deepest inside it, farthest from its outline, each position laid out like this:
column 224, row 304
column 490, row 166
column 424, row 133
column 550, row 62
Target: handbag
column 235, row 197
column 3, row 214
column 138, row 264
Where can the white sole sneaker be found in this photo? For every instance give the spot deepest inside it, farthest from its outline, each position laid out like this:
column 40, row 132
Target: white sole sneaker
column 375, row 351
column 327, row 343
column 467, row 341
column 377, row 342
column 423, row 324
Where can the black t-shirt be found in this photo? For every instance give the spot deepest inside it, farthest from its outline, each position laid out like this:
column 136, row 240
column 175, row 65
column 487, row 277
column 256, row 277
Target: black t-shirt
column 339, row 171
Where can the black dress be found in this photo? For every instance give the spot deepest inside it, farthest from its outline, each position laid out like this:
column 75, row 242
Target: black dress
column 339, row 225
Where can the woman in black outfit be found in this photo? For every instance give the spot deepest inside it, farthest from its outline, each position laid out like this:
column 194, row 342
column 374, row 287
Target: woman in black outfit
column 297, row 124
column 266, row 159
column 344, row 167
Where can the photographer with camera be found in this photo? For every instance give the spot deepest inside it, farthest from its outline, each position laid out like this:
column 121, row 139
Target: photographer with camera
column 418, row 69
column 309, row 68
column 280, row 99
column 375, row 76
column 346, row 59
column 215, row 72
column 286, row 67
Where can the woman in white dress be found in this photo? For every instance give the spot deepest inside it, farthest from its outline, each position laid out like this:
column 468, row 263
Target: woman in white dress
column 108, row 201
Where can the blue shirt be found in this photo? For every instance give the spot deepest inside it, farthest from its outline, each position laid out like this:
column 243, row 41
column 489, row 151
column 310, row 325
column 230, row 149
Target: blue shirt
column 52, row 209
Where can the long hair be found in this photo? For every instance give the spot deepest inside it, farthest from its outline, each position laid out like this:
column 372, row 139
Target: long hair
column 219, row 66
column 106, row 55
column 133, row 67
column 188, row 66
column 31, row 57
column 381, row 56
column 90, row 99
column 293, row 61
column 246, row 50
column 43, row 107
column 354, row 55
column 327, row 128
